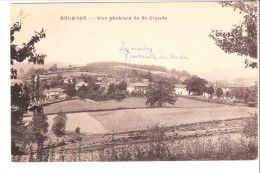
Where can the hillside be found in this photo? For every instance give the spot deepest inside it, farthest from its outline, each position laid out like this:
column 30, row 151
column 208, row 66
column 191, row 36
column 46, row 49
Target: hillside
column 122, row 69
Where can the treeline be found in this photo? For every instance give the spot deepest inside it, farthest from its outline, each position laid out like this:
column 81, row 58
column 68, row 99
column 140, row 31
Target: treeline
column 179, row 73
column 98, row 65
column 99, row 93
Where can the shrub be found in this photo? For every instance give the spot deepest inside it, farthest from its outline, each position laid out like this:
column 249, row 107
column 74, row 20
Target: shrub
column 77, row 130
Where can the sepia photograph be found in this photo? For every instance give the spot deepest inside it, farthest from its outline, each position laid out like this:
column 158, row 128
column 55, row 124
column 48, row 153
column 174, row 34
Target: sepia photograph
column 123, row 82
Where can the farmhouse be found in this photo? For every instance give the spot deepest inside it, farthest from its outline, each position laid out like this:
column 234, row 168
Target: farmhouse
column 180, row 89
column 54, row 93
column 80, row 84
column 138, row 86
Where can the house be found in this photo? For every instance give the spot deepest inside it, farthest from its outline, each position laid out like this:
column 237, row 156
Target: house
column 138, row 86
column 102, row 84
column 180, row 89
column 54, row 93
column 227, row 87
column 80, row 84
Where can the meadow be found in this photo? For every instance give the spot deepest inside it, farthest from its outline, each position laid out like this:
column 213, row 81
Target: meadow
column 131, row 131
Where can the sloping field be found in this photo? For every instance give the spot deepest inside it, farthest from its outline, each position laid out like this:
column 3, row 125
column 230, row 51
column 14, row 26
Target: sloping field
column 80, row 105
column 184, row 112
column 138, row 119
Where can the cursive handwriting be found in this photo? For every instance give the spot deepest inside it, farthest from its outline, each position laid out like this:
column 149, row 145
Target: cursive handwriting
column 131, row 49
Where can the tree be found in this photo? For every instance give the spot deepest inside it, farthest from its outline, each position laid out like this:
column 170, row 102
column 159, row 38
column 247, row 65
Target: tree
column 253, row 96
column 27, row 51
column 238, row 93
column 54, row 67
column 219, row 92
column 242, row 39
column 210, row 90
column 160, row 92
column 39, row 129
column 20, row 99
column 196, row 85
column 70, row 90
column 77, row 130
column 82, row 92
column 59, row 125
column 121, row 86
column 120, row 95
column 111, row 89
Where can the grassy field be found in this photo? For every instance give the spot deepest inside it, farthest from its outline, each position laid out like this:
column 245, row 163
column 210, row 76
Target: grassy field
column 80, row 105
column 188, row 130
column 185, row 111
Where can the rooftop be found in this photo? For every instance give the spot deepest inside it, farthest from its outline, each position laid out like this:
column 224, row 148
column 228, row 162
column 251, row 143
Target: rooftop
column 81, row 83
column 55, row 90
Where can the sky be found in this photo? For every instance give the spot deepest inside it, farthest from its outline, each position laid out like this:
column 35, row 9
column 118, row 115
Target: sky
column 181, row 41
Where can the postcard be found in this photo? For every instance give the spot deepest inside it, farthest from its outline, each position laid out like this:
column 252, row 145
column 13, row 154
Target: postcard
column 113, row 82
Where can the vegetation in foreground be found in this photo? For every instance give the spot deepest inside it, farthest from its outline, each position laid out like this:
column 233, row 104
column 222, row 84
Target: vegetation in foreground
column 241, row 145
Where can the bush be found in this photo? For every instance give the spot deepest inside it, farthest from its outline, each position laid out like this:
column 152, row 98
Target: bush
column 137, row 94
column 77, row 130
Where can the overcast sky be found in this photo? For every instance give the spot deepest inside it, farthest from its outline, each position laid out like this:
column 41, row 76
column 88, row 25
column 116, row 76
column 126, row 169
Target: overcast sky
column 184, row 35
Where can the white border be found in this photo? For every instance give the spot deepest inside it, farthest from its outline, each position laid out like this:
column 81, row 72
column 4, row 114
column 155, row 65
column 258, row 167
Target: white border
column 6, row 166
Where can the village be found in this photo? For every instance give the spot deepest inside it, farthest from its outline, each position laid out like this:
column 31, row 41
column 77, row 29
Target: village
column 54, row 82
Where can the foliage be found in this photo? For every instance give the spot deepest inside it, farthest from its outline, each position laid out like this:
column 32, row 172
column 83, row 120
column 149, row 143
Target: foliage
column 210, row 90
column 77, row 130
column 196, row 85
column 59, row 125
column 32, row 71
column 53, row 68
column 111, row 89
column 121, row 86
column 27, row 51
column 70, row 90
column 57, row 81
column 242, row 39
column 248, row 95
column 159, row 93
column 20, row 98
column 219, row 92
column 39, row 129
column 137, row 93
column 120, row 94
column 251, row 126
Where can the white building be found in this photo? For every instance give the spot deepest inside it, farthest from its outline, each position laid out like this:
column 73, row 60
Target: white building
column 54, row 93
column 180, row 89
column 138, row 86
column 80, row 84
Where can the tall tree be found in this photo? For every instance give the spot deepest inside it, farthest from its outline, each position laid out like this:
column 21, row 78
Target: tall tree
column 242, row 39
column 111, row 89
column 210, row 90
column 195, row 84
column 159, row 93
column 20, row 99
column 59, row 125
column 39, row 130
column 70, row 90
column 219, row 92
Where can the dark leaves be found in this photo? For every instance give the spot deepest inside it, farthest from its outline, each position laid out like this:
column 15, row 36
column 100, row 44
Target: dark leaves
column 27, row 51
column 242, row 39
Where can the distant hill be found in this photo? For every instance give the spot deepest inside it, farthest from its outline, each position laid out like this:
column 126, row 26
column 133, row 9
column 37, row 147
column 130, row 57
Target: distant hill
column 123, row 69
column 246, row 82
column 26, row 66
